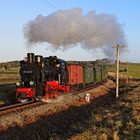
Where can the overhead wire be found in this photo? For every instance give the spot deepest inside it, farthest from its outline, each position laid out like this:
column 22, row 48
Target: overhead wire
column 51, row 5
column 60, row 3
column 35, row 6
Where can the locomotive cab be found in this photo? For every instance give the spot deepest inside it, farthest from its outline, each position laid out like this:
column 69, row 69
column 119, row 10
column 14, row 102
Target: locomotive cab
column 61, row 72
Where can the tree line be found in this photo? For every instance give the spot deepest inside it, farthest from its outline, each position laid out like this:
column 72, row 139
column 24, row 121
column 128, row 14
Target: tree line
column 8, row 65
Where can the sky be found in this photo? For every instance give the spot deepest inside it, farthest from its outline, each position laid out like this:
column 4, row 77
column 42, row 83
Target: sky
column 14, row 14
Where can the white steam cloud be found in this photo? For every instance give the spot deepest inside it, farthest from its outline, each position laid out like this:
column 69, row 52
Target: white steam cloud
column 66, row 28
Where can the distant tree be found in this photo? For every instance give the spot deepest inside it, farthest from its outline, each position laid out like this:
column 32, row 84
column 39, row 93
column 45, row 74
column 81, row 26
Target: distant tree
column 4, row 67
column 11, row 64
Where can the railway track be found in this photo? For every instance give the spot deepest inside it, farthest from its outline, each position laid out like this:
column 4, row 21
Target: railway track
column 17, row 107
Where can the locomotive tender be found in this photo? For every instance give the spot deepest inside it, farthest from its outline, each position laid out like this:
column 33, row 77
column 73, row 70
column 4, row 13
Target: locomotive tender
column 48, row 76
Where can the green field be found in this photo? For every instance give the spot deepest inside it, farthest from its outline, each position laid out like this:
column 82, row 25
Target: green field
column 10, row 75
column 133, row 69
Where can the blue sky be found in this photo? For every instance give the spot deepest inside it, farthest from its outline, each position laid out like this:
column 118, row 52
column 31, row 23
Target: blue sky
column 14, row 14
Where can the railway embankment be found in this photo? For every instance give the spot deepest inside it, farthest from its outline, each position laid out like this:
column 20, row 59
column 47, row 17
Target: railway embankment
column 72, row 117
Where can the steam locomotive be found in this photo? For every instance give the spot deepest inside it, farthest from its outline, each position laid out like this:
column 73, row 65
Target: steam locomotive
column 48, row 76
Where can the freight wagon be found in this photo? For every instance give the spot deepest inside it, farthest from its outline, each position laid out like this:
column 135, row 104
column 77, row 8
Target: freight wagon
column 88, row 74
column 75, row 74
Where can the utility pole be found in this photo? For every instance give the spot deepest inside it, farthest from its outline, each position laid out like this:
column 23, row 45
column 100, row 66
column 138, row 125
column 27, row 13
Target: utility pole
column 117, row 70
column 127, row 80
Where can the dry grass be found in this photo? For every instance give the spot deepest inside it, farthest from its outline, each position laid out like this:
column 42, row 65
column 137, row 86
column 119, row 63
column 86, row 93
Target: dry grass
column 120, row 120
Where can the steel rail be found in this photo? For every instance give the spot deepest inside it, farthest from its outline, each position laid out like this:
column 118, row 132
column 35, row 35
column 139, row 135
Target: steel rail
column 17, row 107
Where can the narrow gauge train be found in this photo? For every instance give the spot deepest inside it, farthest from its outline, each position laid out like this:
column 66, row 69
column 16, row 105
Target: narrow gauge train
column 48, row 76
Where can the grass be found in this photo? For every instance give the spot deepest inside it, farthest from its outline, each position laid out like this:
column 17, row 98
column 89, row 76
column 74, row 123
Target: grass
column 10, row 70
column 119, row 120
column 133, row 70
column 9, row 76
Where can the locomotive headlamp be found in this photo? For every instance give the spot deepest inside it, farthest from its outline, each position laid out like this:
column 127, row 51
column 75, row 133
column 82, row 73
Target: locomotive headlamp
column 31, row 83
column 58, row 65
column 18, row 83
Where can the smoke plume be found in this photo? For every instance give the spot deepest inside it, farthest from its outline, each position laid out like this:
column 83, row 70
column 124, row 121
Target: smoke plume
column 66, row 28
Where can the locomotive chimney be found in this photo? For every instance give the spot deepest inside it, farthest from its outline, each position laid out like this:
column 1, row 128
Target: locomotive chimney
column 30, row 57
column 38, row 59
